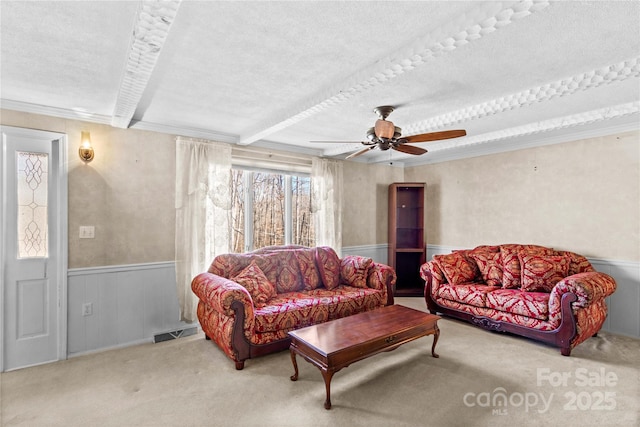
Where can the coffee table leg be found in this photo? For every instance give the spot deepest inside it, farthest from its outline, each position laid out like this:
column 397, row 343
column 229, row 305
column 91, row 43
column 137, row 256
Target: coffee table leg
column 327, row 375
column 294, row 377
column 435, row 341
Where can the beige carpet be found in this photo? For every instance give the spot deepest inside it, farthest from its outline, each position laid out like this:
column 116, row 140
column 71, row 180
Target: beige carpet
column 189, row 382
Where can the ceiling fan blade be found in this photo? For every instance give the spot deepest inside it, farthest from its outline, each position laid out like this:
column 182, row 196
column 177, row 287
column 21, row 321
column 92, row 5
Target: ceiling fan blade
column 435, row 136
column 337, row 142
column 409, row 149
column 357, row 153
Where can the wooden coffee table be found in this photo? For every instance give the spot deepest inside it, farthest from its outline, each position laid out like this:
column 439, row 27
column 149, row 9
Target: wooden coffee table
column 336, row 344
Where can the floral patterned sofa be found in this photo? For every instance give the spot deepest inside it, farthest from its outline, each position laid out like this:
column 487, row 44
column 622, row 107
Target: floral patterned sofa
column 551, row 296
column 249, row 302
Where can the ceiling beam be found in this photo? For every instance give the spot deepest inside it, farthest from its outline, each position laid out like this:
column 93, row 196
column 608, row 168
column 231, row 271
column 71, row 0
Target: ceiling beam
column 483, row 20
column 150, row 31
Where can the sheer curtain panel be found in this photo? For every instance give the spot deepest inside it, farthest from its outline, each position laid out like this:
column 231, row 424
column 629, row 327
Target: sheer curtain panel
column 326, row 202
column 203, row 206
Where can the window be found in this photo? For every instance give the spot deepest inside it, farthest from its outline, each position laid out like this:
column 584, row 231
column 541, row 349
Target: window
column 270, row 208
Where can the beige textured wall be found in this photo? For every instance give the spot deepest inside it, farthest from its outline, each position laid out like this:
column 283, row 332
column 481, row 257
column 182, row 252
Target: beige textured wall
column 582, row 196
column 365, row 210
column 126, row 192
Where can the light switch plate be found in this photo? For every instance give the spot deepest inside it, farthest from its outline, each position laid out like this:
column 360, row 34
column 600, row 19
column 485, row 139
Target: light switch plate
column 87, row 232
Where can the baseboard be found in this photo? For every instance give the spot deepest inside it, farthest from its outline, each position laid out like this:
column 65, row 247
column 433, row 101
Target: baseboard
column 112, row 347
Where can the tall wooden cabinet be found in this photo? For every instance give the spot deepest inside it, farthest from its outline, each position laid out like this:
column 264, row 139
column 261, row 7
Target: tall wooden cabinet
column 406, row 236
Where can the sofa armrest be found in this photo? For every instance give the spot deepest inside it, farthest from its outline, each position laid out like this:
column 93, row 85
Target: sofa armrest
column 430, row 272
column 219, row 293
column 383, row 277
column 589, row 287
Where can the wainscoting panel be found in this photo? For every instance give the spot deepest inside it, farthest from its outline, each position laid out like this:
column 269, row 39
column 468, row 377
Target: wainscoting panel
column 129, row 304
column 378, row 253
column 624, row 304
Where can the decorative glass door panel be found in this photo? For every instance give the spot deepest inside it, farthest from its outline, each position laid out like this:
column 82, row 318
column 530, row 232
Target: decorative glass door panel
column 32, row 181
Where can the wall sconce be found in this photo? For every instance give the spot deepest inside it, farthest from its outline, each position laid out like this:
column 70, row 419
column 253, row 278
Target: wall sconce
column 86, row 150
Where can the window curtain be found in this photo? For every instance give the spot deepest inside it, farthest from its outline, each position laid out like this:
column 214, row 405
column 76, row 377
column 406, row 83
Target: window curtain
column 203, row 207
column 326, row 202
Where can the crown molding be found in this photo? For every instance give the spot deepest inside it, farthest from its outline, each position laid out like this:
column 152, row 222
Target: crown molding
column 482, row 145
column 77, row 114
column 523, row 140
column 64, row 113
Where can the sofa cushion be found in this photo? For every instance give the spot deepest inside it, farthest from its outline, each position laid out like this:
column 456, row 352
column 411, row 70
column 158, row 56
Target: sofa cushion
column 354, row 270
column 328, row 266
column 530, row 304
column 511, row 272
column 490, row 266
column 254, row 280
column 307, row 266
column 541, row 273
column 473, row 293
column 288, row 311
column 296, row 310
column 457, row 267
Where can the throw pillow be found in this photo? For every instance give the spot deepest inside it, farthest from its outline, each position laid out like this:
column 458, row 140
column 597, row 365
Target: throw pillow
column 254, row 280
column 354, row 270
column 268, row 263
column 307, row 264
column 328, row 266
column 490, row 266
column 511, row 271
column 540, row 273
column 457, row 267
column 289, row 279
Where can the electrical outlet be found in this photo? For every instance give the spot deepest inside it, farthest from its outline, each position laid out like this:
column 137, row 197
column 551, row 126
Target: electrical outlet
column 87, row 232
column 87, row 309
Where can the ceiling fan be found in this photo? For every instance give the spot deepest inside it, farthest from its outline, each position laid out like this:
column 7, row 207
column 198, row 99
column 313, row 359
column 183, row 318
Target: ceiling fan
column 385, row 135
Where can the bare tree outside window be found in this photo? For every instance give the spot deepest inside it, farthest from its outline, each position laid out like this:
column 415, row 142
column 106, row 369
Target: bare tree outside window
column 267, row 210
column 303, row 227
column 236, row 221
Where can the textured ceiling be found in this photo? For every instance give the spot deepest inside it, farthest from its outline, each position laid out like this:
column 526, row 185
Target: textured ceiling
column 281, row 74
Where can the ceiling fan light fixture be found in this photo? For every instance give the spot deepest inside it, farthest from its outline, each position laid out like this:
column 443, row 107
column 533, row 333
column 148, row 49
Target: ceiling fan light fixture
column 385, row 129
column 385, row 136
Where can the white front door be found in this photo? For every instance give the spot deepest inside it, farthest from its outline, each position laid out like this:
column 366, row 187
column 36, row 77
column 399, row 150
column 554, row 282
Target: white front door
column 33, row 247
